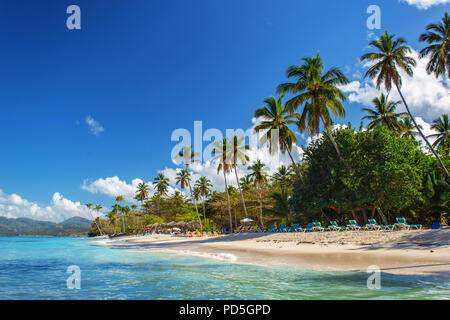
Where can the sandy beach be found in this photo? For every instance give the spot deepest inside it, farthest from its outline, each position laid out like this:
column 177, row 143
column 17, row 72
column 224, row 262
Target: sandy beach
column 424, row 252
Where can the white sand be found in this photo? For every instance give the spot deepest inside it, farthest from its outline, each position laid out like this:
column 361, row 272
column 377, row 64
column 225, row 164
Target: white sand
column 402, row 252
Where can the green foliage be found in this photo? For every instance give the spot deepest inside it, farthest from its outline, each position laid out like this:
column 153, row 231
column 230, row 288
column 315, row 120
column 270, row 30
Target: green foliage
column 382, row 171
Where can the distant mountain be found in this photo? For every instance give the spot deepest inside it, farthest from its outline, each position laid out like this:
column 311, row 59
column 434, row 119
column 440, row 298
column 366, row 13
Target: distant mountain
column 26, row 226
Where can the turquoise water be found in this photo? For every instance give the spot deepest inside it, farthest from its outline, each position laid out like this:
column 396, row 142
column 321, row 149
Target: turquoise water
column 35, row 268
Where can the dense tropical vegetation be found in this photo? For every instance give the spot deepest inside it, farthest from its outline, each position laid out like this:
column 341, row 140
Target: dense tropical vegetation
column 382, row 171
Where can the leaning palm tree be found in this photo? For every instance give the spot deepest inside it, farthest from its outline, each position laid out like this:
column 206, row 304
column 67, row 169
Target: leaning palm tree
column 391, row 56
column 222, row 156
column 184, row 180
column 319, row 93
column 89, row 206
column 203, row 184
column 188, row 156
column 142, row 192
column 383, row 114
column 275, row 116
column 438, row 38
column 442, row 126
column 239, row 155
column 259, row 177
column 161, row 184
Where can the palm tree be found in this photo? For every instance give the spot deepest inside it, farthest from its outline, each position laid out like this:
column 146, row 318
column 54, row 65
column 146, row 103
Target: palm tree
column 142, row 192
column 391, row 56
column 125, row 210
column 246, row 183
column 112, row 218
column 320, row 94
column 120, row 199
column 188, row 156
column 184, row 180
column 238, row 150
column 282, row 178
column 204, row 187
column 383, row 113
column 161, row 184
column 277, row 117
column 407, row 129
column 89, row 206
column 442, row 126
column 259, row 178
column 221, row 155
column 98, row 208
column 438, row 38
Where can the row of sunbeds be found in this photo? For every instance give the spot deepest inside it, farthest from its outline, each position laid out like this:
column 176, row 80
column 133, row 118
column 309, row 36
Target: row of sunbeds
column 334, row 226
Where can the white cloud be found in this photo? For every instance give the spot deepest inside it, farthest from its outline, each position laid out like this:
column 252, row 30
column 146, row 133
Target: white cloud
column 113, row 187
column 427, row 96
column 95, row 127
column 425, row 4
column 60, row 209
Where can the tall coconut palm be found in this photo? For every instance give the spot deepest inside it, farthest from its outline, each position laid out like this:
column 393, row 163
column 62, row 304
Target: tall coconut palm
column 438, row 38
column 246, row 183
column 188, row 156
column 222, row 156
column 282, row 178
column 89, row 206
column 277, row 117
column 98, row 208
column 383, row 113
column 112, row 219
column 203, row 184
column 259, row 177
column 120, row 199
column 142, row 192
column 390, row 58
column 184, row 180
column 442, row 126
column 407, row 129
column 161, row 184
column 239, row 155
column 319, row 93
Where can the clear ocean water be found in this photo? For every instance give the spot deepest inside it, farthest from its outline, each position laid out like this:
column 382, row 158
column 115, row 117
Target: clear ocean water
column 35, row 268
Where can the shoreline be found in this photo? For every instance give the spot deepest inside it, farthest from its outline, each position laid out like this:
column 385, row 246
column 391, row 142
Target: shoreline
column 425, row 252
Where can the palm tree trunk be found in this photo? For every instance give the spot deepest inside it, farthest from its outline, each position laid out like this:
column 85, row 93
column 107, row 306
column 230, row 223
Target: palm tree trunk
column 204, row 209
column 333, row 141
column 228, row 197
column 421, row 133
column 196, row 208
column 293, row 162
column 240, row 191
column 260, row 208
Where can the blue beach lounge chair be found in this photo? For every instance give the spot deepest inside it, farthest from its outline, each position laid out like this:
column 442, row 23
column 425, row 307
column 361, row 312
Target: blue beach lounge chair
column 335, row 227
column 373, row 225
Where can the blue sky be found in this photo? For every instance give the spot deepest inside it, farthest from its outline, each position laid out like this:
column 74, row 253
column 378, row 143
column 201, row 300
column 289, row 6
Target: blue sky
column 141, row 69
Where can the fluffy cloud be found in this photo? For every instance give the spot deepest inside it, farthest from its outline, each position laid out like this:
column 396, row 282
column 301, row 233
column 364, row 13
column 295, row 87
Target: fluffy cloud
column 112, row 187
column 427, row 96
column 425, row 4
column 60, row 209
column 94, row 127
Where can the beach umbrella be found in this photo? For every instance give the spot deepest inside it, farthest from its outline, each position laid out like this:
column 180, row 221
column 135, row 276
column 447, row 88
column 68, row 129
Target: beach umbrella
column 247, row 220
column 172, row 224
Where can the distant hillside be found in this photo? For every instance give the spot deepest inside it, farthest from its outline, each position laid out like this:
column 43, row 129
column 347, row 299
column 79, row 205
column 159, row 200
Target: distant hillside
column 26, row 226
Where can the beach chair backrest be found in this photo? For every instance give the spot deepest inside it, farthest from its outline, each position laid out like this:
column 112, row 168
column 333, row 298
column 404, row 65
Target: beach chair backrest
column 353, row 222
column 296, row 225
column 401, row 220
column 373, row 221
column 334, row 223
column 310, row 225
column 317, row 224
